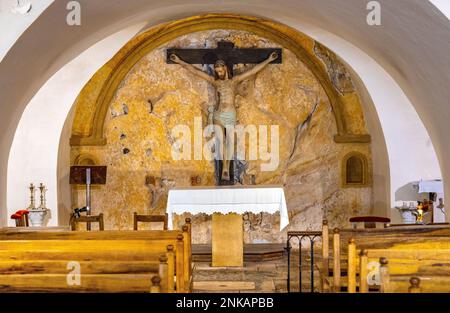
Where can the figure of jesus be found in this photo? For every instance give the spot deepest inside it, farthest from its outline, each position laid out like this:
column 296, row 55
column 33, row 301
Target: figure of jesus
column 225, row 87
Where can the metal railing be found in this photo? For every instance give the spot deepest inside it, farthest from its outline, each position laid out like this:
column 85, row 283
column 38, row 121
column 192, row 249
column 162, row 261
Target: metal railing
column 300, row 235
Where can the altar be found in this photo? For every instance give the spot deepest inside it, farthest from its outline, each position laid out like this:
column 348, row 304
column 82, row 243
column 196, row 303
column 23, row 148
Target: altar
column 226, row 204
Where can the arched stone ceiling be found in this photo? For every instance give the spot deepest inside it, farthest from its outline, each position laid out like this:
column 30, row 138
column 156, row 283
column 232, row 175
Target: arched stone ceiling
column 412, row 45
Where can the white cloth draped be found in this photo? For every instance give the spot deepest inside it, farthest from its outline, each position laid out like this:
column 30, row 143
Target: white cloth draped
column 431, row 186
column 228, row 199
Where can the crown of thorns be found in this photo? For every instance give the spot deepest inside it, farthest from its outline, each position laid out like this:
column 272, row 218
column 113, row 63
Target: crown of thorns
column 220, row 63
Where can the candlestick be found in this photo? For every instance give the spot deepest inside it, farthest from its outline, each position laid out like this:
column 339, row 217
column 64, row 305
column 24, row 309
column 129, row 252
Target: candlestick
column 32, row 205
column 43, row 201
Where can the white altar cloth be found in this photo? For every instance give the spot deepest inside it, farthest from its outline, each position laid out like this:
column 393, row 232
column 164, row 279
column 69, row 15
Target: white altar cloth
column 228, row 199
column 431, row 186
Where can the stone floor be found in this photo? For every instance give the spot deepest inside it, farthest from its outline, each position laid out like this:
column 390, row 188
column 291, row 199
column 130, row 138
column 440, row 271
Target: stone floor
column 266, row 276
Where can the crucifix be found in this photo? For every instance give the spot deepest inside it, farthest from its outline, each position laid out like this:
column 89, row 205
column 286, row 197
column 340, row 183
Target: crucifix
column 224, row 57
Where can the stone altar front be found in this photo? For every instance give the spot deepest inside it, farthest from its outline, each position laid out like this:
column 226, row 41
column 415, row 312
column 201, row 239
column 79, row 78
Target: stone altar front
column 227, row 204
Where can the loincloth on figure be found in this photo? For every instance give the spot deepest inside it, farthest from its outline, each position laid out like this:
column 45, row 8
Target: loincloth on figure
column 225, row 117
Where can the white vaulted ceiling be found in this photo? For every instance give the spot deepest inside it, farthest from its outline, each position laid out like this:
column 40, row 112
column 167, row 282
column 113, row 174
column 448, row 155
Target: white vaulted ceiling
column 410, row 50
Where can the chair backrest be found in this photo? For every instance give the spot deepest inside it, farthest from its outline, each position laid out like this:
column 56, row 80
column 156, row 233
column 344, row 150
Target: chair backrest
column 21, row 218
column 369, row 221
column 149, row 219
column 88, row 219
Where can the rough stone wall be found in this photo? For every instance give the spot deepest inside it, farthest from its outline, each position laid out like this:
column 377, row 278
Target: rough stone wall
column 155, row 96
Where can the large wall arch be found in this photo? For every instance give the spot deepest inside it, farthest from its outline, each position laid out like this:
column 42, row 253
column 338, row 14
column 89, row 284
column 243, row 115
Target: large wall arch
column 128, row 127
column 89, row 120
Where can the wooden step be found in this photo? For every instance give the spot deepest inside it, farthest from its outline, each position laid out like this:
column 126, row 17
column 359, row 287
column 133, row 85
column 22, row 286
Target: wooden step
column 252, row 252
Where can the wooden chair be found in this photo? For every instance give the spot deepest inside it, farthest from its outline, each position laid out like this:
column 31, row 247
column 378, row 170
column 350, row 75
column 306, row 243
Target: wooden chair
column 88, row 219
column 21, row 218
column 369, row 221
column 149, row 219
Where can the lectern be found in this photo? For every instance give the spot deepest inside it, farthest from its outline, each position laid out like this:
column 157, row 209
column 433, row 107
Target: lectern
column 88, row 175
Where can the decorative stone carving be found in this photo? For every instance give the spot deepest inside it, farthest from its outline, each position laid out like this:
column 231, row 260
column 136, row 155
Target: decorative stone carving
column 339, row 75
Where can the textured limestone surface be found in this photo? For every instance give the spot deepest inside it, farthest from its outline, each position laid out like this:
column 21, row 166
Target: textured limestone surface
column 155, row 97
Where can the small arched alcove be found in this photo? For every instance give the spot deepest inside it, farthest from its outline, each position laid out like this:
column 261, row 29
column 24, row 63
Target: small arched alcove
column 355, row 171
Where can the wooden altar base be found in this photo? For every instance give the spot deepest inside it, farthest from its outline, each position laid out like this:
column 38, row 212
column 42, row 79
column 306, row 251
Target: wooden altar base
column 252, row 252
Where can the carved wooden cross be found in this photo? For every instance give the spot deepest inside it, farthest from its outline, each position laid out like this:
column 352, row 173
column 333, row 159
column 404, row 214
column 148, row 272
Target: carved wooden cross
column 225, row 51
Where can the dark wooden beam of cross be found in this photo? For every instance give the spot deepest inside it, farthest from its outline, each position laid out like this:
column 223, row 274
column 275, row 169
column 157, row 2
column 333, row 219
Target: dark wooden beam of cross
column 225, row 51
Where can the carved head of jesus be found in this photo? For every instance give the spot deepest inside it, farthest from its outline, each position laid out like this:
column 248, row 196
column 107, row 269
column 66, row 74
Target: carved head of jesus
column 221, row 69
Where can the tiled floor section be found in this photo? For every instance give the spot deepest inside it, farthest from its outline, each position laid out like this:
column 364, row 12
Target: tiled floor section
column 267, row 276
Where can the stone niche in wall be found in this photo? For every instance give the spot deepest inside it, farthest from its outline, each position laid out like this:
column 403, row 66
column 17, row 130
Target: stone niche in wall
column 355, row 172
column 154, row 97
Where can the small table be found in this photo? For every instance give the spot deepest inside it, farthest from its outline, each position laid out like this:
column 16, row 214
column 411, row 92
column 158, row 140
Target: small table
column 226, row 204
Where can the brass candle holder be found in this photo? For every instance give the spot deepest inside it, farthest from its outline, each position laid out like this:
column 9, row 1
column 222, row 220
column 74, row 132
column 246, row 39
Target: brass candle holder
column 32, row 205
column 38, row 215
column 43, row 200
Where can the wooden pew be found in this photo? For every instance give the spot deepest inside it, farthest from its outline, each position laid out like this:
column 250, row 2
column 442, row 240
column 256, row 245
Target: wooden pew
column 330, row 267
column 75, row 265
column 179, row 240
column 403, row 264
column 387, row 238
column 109, row 260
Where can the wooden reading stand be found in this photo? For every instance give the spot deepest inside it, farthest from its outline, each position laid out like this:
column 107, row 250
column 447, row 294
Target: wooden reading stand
column 88, row 175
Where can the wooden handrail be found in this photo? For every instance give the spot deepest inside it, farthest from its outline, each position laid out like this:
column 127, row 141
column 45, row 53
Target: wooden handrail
column 384, row 276
column 351, row 271
column 363, row 259
column 325, row 250
column 336, row 260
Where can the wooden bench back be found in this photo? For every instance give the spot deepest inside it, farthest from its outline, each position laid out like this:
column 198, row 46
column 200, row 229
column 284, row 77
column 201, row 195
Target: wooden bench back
column 425, row 259
column 116, row 247
column 73, row 265
column 383, row 240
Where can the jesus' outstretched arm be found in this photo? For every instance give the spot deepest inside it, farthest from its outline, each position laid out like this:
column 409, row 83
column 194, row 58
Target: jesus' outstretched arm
column 194, row 70
column 273, row 56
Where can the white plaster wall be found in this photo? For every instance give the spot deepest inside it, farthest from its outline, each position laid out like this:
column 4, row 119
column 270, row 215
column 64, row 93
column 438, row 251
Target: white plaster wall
column 34, row 152
column 12, row 25
column 443, row 6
